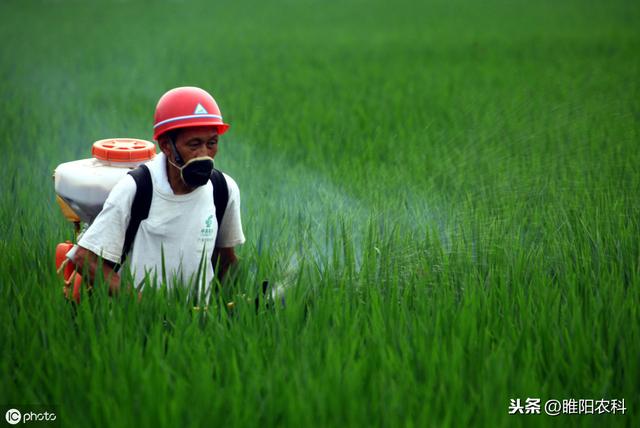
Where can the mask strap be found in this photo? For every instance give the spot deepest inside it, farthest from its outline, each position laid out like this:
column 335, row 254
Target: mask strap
column 175, row 152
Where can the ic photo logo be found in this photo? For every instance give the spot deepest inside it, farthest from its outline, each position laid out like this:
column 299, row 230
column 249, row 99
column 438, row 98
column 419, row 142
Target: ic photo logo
column 14, row 416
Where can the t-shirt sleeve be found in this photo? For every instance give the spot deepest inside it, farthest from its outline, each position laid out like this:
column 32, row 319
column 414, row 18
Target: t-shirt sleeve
column 230, row 233
column 105, row 236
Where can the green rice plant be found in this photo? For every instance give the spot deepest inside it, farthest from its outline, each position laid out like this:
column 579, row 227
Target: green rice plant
column 442, row 196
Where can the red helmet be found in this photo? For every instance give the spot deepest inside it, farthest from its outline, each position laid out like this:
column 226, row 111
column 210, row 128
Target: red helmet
column 185, row 107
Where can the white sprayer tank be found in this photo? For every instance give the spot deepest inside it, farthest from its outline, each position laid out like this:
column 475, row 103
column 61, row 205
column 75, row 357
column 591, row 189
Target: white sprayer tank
column 83, row 185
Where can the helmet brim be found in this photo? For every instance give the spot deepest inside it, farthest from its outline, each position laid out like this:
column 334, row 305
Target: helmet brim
column 221, row 126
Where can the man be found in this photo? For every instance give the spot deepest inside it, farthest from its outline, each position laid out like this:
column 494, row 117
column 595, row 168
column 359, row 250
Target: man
column 181, row 226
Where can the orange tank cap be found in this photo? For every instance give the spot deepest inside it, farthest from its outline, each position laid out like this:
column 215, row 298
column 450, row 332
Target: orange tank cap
column 123, row 150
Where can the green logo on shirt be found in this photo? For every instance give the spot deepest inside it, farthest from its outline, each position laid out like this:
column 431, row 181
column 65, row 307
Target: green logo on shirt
column 206, row 233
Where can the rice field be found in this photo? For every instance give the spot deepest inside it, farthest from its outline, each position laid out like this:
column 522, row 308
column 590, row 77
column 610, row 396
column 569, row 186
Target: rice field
column 443, row 195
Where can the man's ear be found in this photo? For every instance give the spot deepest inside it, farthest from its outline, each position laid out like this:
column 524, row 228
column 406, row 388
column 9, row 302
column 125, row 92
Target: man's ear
column 163, row 143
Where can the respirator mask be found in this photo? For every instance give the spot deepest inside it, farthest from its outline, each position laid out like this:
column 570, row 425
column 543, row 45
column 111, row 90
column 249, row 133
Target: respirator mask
column 194, row 173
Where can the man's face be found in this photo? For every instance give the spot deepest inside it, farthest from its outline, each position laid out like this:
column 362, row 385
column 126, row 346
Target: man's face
column 194, row 142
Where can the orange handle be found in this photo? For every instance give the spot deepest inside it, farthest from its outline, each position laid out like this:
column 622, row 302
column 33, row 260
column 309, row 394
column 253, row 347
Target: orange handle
column 67, row 270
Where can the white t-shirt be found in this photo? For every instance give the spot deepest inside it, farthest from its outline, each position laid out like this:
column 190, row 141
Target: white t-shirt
column 179, row 226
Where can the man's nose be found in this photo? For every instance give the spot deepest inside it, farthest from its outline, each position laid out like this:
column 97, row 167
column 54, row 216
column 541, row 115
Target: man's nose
column 202, row 151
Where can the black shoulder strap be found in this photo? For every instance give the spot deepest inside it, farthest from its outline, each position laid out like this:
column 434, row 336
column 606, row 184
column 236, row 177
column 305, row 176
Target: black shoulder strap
column 139, row 208
column 220, row 194
column 142, row 202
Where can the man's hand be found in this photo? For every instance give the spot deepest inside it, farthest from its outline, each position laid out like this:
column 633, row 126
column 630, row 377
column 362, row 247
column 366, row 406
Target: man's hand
column 223, row 259
column 84, row 257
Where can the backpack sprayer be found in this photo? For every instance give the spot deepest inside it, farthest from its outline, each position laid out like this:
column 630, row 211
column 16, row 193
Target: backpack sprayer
column 82, row 187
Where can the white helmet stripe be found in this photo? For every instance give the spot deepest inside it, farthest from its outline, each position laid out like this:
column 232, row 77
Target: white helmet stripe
column 190, row 116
